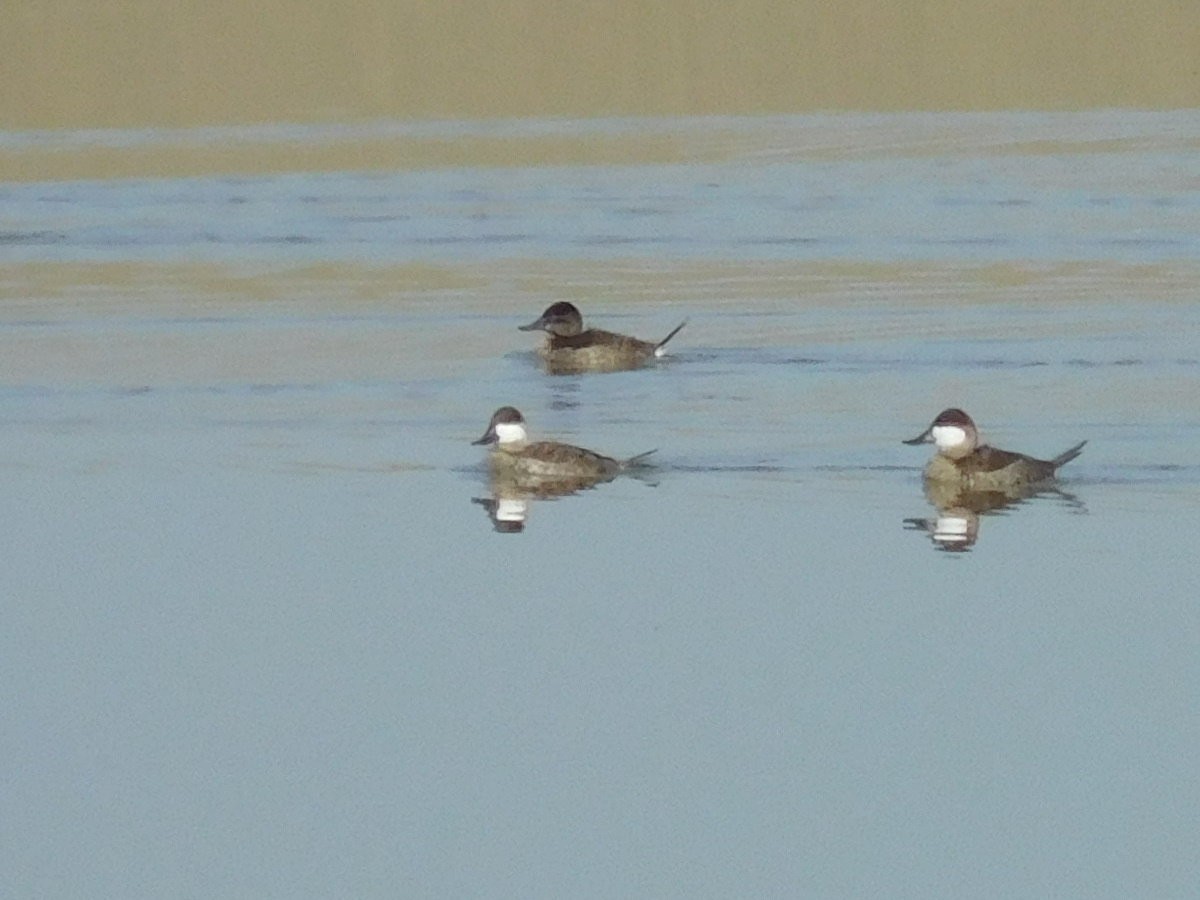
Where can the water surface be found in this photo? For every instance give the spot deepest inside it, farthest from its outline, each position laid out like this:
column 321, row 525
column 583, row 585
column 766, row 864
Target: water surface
column 261, row 640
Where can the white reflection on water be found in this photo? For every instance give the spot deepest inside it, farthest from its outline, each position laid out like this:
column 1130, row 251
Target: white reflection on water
column 956, row 527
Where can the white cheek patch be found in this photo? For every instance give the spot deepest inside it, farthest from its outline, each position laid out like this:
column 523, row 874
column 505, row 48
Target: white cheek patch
column 510, row 432
column 947, row 436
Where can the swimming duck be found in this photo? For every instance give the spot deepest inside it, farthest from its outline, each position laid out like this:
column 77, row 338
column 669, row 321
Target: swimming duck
column 962, row 461
column 570, row 348
column 514, row 456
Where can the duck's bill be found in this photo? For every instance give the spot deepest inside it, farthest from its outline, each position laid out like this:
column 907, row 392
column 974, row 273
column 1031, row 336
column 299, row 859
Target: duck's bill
column 535, row 325
column 925, row 437
column 489, row 437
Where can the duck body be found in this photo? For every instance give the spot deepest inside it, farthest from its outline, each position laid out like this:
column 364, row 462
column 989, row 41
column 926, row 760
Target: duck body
column 992, row 469
column 550, row 459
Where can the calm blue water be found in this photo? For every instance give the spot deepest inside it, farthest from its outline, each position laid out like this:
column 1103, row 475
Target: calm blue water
column 261, row 639
column 1096, row 187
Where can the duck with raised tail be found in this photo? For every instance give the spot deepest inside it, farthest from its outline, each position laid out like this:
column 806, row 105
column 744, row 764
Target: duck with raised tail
column 515, row 456
column 963, row 461
column 571, row 348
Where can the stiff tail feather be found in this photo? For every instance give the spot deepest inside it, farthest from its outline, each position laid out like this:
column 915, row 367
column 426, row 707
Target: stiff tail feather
column 658, row 348
column 639, row 461
column 1067, row 455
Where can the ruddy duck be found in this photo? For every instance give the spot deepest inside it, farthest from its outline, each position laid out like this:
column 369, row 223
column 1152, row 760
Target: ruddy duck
column 514, row 457
column 570, row 348
column 963, row 462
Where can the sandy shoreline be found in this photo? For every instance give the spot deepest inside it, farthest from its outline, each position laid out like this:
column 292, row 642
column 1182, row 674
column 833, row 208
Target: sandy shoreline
column 132, row 63
column 393, row 145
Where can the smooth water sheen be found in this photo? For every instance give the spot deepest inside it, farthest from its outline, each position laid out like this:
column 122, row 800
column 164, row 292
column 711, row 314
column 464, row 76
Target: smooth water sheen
column 262, row 638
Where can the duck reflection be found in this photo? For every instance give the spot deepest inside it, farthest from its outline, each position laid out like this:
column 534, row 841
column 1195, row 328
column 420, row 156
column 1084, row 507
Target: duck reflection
column 512, row 498
column 507, row 513
column 955, row 529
